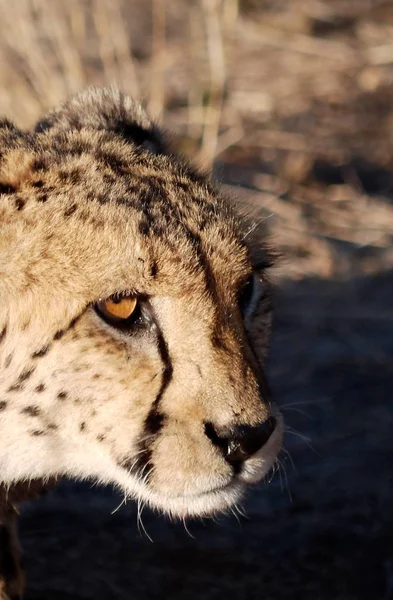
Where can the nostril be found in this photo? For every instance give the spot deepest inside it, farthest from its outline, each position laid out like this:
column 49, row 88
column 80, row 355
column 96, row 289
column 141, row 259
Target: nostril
column 246, row 440
column 242, row 441
column 219, row 441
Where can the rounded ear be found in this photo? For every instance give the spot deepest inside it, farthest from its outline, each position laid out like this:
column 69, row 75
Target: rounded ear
column 108, row 109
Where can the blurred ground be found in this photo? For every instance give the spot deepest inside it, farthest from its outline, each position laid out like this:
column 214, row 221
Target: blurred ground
column 293, row 101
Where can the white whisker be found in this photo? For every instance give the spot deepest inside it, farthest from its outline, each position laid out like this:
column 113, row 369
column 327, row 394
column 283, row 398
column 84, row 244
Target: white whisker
column 140, row 525
column 285, row 479
column 124, row 501
column 302, row 437
column 186, row 528
column 288, row 454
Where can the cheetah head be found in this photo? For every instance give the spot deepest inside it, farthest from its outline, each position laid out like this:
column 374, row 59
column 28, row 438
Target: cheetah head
column 134, row 315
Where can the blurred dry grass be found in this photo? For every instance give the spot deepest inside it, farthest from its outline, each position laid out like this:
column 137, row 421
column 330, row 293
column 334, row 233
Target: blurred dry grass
column 292, row 101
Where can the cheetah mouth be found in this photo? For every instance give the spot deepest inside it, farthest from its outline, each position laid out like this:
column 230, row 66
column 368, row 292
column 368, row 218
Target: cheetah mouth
column 222, row 497
column 216, row 499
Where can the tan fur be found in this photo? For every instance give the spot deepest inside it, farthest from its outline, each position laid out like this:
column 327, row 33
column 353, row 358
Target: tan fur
column 88, row 212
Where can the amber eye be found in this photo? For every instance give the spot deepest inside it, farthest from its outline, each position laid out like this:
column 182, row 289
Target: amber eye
column 119, row 311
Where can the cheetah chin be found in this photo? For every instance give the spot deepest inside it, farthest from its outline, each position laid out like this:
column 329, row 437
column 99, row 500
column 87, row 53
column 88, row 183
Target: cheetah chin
column 134, row 321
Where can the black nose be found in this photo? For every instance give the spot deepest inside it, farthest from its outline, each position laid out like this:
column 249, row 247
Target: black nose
column 241, row 441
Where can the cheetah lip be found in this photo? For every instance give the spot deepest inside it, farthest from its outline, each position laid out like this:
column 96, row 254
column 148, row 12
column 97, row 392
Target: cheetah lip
column 234, row 482
column 205, row 504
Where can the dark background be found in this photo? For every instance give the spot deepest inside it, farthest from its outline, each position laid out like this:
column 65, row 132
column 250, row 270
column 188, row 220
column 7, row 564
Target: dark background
column 291, row 102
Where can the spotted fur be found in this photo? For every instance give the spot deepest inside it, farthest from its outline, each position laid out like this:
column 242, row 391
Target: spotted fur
column 93, row 204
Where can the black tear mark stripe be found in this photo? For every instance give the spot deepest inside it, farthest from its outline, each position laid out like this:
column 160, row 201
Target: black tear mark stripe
column 154, row 420
column 3, row 333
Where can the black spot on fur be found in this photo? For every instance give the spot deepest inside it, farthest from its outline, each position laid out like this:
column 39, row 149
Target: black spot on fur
column 62, row 395
column 37, row 432
column 39, row 164
column 53, row 426
column 3, row 333
column 42, row 197
column 70, row 211
column 73, row 177
column 19, row 204
column 3, row 404
column 14, row 388
column 31, row 411
column 40, row 388
column 82, row 426
column 8, row 360
column 144, row 228
column 102, row 199
column 25, row 375
column 153, row 270
column 44, row 350
column 118, row 166
column 7, row 189
column 38, row 184
column 100, row 438
column 183, row 185
column 59, row 334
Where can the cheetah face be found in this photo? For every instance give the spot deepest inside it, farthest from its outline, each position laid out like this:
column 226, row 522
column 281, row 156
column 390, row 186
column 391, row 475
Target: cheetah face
column 135, row 323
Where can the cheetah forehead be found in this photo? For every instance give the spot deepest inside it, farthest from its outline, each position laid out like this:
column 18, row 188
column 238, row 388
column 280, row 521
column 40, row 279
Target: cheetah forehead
column 114, row 208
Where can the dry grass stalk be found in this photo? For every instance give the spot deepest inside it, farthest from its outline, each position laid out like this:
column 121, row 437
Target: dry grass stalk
column 196, row 88
column 158, row 59
column 49, row 51
column 215, row 50
column 113, row 43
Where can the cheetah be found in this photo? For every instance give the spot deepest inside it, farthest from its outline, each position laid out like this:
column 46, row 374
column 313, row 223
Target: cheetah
column 135, row 312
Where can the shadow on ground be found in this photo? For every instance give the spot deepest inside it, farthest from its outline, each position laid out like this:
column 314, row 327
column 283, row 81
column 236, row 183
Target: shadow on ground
column 325, row 531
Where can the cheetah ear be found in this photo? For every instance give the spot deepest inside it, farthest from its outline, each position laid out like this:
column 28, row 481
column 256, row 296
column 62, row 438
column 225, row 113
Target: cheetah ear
column 109, row 109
